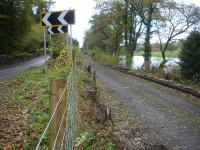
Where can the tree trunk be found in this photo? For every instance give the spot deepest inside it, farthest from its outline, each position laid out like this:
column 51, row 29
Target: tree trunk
column 162, row 64
column 129, row 58
column 147, row 44
column 129, row 55
column 126, row 26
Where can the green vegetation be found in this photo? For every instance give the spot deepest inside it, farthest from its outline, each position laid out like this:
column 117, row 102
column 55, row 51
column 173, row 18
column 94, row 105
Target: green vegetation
column 102, row 57
column 122, row 24
column 20, row 31
column 32, row 95
column 29, row 95
column 189, row 56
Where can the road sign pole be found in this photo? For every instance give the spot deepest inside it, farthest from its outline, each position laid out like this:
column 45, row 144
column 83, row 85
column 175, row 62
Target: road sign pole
column 45, row 49
column 50, row 38
column 50, row 45
column 67, row 41
column 70, row 37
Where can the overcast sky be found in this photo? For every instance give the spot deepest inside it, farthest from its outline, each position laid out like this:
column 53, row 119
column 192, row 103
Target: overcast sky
column 84, row 9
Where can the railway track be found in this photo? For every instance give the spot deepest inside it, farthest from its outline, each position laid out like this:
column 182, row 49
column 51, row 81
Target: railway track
column 169, row 84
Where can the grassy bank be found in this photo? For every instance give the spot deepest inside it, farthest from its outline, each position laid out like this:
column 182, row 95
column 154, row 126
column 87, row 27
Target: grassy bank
column 102, row 57
column 26, row 107
column 98, row 131
column 25, row 111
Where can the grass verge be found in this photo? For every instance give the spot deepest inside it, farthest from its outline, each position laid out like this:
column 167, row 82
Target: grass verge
column 25, row 107
column 102, row 57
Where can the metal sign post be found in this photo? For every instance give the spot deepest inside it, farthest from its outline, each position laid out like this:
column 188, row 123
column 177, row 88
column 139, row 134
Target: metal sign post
column 50, row 38
column 70, row 36
column 45, row 49
column 51, row 55
column 67, row 44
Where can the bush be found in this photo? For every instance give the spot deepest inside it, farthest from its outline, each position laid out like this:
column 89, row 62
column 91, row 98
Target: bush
column 189, row 57
column 63, row 56
column 102, row 57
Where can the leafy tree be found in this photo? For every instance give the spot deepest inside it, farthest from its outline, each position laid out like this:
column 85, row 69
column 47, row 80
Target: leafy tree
column 148, row 11
column 135, row 28
column 120, row 20
column 110, row 24
column 174, row 19
column 106, row 28
column 40, row 6
column 189, row 57
column 96, row 36
column 121, row 23
column 18, row 30
column 15, row 21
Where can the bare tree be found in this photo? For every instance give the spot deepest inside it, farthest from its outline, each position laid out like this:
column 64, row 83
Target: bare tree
column 174, row 19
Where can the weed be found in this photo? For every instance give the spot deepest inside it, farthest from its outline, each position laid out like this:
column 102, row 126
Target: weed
column 110, row 146
column 84, row 140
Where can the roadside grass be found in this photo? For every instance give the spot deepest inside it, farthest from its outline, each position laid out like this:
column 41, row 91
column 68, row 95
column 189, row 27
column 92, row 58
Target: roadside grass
column 98, row 132
column 30, row 92
column 93, row 131
column 102, row 57
column 174, row 53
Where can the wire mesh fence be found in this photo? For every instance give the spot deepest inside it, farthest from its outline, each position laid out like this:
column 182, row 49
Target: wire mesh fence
column 69, row 113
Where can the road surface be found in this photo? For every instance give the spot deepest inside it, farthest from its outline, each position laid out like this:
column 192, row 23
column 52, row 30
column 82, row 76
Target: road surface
column 7, row 72
column 171, row 118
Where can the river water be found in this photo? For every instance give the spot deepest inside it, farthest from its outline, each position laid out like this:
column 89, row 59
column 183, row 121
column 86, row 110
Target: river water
column 138, row 61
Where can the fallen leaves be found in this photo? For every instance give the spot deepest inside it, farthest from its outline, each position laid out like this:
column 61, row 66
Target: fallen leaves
column 13, row 125
column 15, row 129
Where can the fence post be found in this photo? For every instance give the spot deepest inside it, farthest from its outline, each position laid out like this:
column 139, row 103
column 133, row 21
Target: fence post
column 57, row 88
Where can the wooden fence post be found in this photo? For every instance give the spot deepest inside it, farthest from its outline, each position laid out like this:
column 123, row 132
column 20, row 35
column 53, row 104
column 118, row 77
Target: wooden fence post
column 57, row 88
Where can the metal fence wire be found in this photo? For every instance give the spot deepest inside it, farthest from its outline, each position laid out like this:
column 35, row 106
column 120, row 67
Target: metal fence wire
column 69, row 113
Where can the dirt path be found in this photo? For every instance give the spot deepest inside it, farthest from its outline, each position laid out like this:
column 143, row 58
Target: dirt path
column 170, row 117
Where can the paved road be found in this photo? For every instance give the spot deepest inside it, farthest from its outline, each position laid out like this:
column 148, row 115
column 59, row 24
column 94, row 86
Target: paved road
column 171, row 119
column 9, row 71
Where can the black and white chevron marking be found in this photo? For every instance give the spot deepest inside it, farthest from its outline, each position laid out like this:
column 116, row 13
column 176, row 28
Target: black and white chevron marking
column 58, row 29
column 65, row 17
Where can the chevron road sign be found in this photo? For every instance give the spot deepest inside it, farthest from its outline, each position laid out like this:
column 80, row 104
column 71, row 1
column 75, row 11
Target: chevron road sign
column 58, row 29
column 66, row 17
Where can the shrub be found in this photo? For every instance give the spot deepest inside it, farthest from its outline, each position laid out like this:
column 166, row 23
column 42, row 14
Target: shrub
column 189, row 57
column 102, row 57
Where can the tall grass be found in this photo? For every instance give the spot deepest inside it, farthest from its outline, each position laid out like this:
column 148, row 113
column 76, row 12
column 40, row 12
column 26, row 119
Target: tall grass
column 102, row 57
